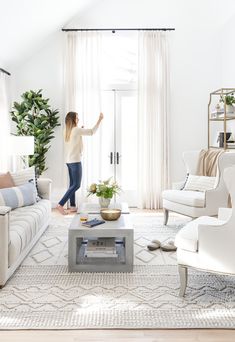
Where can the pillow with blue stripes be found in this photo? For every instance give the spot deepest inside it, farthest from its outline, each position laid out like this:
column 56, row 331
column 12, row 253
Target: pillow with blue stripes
column 18, row 196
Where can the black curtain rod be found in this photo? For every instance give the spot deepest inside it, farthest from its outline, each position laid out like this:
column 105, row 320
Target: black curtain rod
column 5, row 72
column 119, row 29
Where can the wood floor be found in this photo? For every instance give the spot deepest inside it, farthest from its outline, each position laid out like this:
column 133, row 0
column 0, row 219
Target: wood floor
column 119, row 335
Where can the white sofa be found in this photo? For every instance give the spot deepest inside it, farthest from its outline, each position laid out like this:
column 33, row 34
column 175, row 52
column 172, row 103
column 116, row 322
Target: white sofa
column 21, row 228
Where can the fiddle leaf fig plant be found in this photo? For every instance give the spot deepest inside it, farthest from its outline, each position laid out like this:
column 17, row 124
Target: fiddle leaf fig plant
column 34, row 116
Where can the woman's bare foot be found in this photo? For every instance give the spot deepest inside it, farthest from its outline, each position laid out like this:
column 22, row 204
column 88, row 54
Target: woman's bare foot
column 61, row 209
column 73, row 209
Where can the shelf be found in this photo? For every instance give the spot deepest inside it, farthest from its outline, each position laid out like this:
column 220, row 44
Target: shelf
column 221, row 115
column 222, row 119
column 222, row 148
column 223, row 91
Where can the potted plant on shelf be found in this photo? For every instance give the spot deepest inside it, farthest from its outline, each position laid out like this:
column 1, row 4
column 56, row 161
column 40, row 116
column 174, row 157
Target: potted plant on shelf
column 104, row 190
column 229, row 100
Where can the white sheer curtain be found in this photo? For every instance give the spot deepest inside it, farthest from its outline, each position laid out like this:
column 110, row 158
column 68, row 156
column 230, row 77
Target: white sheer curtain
column 4, row 124
column 83, row 95
column 153, row 118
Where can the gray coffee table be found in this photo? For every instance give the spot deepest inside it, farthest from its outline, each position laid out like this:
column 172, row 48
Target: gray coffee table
column 121, row 230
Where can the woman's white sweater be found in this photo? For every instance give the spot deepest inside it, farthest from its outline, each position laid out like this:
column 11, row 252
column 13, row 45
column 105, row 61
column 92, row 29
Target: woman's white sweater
column 74, row 147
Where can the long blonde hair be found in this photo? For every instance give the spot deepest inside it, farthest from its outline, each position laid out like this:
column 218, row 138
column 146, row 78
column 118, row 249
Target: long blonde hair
column 70, row 122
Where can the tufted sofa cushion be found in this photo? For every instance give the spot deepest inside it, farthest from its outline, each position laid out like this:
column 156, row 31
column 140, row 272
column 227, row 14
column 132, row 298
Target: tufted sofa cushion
column 190, row 198
column 24, row 224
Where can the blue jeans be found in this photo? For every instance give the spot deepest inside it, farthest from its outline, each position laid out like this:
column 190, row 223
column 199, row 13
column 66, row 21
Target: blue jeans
column 75, row 177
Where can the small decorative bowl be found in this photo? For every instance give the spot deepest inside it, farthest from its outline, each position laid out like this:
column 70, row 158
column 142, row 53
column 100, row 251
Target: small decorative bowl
column 110, row 214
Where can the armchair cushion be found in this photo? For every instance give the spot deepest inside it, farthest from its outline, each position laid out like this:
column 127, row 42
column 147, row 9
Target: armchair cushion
column 199, row 183
column 190, row 198
column 187, row 238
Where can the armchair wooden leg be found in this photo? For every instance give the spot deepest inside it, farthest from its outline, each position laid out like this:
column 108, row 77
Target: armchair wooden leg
column 166, row 216
column 183, row 273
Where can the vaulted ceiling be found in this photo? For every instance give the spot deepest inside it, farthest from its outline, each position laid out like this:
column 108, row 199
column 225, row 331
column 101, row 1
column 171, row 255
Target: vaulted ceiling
column 25, row 24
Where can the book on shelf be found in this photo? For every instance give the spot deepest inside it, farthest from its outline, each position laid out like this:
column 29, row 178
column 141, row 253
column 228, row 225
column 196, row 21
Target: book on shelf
column 100, row 255
column 231, row 145
column 92, row 223
column 102, row 247
column 228, row 115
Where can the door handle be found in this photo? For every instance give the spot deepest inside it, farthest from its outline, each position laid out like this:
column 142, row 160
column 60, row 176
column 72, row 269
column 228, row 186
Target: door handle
column 111, row 157
column 118, row 157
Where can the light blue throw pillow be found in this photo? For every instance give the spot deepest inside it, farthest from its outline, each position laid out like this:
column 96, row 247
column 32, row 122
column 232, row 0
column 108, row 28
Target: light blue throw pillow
column 18, row 196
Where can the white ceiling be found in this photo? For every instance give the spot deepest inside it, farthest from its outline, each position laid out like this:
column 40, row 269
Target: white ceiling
column 25, row 24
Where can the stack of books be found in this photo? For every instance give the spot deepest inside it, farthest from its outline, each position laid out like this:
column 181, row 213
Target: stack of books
column 101, row 248
column 93, row 223
column 230, row 144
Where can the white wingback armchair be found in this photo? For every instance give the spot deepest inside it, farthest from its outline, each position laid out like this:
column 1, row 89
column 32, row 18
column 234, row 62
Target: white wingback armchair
column 197, row 203
column 207, row 243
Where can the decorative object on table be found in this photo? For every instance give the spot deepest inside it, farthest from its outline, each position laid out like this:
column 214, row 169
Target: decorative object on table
column 104, row 202
column 93, row 223
column 34, row 116
column 105, row 190
column 110, row 214
column 83, row 216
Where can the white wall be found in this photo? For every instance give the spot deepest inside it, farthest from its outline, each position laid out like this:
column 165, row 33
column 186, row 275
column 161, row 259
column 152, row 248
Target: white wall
column 45, row 71
column 228, row 53
column 228, row 63
column 195, row 52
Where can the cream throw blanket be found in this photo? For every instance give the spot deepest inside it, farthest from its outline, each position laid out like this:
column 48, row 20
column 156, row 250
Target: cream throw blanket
column 207, row 162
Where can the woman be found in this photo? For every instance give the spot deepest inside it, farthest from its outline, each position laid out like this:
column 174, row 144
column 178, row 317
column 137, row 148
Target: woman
column 73, row 149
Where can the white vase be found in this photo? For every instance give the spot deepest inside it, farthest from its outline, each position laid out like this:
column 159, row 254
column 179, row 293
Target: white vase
column 104, row 202
column 229, row 109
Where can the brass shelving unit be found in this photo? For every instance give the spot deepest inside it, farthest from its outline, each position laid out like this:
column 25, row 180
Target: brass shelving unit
column 220, row 93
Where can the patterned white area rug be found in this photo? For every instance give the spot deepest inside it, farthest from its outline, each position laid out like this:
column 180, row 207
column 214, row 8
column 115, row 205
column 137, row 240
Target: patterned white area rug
column 43, row 295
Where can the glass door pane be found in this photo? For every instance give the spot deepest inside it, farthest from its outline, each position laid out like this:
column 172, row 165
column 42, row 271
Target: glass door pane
column 126, row 145
column 108, row 136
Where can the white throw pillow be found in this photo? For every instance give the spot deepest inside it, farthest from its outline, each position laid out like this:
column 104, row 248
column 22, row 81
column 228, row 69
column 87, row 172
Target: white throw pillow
column 25, row 175
column 200, row 183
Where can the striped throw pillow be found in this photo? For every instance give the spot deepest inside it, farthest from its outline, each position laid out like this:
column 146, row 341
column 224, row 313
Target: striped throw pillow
column 18, row 196
column 200, row 183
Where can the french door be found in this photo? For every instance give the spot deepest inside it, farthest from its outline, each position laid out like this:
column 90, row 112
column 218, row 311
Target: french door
column 119, row 132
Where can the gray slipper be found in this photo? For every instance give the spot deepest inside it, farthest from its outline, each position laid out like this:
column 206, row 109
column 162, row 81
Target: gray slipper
column 155, row 244
column 169, row 247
